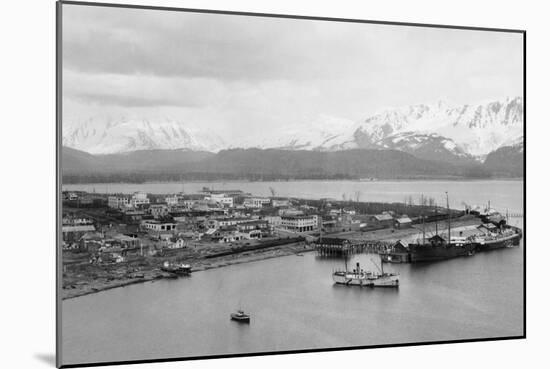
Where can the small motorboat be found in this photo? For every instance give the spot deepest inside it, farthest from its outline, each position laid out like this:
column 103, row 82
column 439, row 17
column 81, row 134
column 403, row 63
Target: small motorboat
column 240, row 317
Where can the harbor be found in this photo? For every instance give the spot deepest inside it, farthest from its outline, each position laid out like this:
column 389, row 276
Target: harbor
column 292, row 283
column 286, row 295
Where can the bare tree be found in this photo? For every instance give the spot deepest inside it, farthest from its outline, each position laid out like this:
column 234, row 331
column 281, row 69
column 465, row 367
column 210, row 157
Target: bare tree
column 357, row 196
column 272, row 190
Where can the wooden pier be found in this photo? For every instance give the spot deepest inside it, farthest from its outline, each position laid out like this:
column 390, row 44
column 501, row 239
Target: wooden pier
column 343, row 247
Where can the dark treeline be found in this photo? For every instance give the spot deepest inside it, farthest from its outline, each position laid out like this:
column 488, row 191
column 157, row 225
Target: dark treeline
column 263, row 165
column 181, row 177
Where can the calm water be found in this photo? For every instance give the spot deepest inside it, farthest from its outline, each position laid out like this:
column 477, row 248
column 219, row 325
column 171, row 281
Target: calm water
column 502, row 194
column 293, row 301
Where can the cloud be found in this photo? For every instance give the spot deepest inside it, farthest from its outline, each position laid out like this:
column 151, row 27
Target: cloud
column 249, row 71
column 141, row 90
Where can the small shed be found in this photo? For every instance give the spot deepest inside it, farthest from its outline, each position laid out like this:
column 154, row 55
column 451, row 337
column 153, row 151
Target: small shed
column 403, row 222
column 384, row 220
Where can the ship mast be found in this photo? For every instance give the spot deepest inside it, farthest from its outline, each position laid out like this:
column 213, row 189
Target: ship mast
column 423, row 222
column 449, row 213
column 436, row 220
column 321, row 221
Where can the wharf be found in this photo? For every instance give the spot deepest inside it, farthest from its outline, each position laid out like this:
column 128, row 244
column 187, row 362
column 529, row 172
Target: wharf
column 343, row 246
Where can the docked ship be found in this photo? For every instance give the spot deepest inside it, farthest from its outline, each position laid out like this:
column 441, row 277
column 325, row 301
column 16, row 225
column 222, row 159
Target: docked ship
column 363, row 278
column 440, row 248
column 497, row 237
column 176, row 268
column 398, row 253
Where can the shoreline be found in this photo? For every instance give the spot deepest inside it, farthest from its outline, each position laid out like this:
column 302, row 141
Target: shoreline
column 82, row 288
column 89, row 288
column 379, row 180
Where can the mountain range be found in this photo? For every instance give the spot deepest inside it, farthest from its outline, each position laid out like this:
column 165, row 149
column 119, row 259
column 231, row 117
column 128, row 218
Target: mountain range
column 443, row 131
column 437, row 140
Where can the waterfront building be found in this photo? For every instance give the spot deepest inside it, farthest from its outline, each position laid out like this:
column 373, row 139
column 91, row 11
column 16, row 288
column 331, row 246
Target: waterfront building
column 256, row 202
column 299, row 223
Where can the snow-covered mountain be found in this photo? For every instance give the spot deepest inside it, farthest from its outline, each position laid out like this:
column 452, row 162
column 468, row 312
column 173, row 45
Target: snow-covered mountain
column 434, row 131
column 124, row 135
column 321, row 133
column 473, row 130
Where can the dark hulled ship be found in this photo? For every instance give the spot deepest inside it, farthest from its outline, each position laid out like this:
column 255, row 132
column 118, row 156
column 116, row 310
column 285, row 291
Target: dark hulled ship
column 497, row 237
column 438, row 248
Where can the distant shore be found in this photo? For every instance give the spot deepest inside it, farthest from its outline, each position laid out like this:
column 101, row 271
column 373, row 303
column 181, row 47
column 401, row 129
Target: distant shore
column 385, row 180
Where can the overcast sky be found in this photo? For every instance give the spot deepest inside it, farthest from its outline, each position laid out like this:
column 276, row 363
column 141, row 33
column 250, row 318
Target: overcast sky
column 231, row 72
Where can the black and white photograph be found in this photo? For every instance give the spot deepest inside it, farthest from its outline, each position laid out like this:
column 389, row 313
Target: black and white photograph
column 245, row 184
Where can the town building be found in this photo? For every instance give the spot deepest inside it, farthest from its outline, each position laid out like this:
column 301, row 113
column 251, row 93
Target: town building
column 118, row 201
column 273, row 220
column 172, row 200
column 299, row 223
column 158, row 226
column 383, row 220
column 158, row 210
column 256, row 202
column 139, row 198
column 72, row 233
column 290, row 212
column 403, row 222
column 133, row 216
column 279, row 203
column 221, row 199
column 225, row 222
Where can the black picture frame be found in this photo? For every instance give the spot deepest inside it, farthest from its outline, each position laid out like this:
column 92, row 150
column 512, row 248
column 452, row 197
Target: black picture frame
column 59, row 109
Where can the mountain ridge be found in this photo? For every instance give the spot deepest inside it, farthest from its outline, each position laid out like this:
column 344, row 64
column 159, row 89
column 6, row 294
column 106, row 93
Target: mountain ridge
column 450, row 133
column 269, row 164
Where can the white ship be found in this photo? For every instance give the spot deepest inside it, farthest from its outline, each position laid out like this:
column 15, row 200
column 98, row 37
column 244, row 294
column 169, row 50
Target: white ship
column 363, row 278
